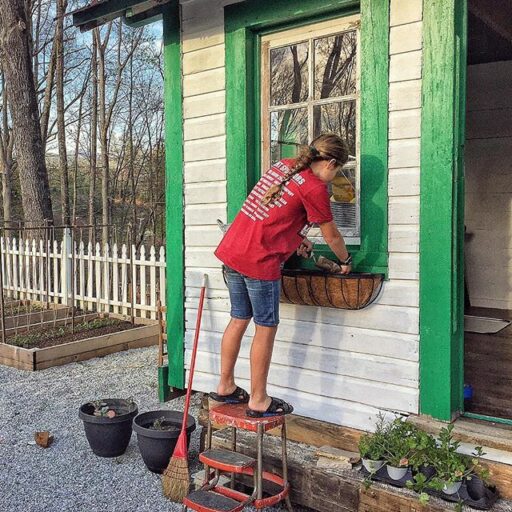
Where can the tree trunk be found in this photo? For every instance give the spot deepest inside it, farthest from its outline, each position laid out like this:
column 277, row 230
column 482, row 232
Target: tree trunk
column 17, row 63
column 6, row 163
column 61, row 125
column 94, row 132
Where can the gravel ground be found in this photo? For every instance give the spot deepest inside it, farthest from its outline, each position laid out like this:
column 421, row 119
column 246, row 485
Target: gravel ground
column 68, row 476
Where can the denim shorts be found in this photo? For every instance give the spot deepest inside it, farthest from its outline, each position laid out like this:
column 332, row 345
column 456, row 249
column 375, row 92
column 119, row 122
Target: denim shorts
column 253, row 298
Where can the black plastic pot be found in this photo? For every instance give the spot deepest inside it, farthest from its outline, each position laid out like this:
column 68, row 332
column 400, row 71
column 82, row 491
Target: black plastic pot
column 109, row 437
column 157, row 446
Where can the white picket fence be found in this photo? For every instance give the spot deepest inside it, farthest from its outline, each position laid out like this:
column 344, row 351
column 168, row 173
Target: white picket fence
column 103, row 279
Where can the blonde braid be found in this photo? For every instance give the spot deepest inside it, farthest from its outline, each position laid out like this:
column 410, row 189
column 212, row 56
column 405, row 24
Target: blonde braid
column 306, row 156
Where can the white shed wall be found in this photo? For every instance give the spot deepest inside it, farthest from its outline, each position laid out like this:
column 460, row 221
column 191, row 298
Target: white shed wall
column 334, row 365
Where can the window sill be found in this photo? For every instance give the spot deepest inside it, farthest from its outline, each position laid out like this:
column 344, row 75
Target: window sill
column 309, row 287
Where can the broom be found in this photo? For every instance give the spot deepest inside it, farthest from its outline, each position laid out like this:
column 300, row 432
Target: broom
column 175, row 480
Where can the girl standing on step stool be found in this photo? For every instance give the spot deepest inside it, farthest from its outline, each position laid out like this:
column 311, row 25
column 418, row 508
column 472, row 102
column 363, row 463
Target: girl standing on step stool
column 270, row 227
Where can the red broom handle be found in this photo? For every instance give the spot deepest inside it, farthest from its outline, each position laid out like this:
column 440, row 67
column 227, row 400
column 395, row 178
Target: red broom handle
column 194, row 353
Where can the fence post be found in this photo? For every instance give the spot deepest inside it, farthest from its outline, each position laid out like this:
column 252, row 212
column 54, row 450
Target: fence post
column 66, row 266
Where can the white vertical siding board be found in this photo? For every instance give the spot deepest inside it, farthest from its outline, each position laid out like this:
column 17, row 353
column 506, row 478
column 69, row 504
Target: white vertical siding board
column 204, row 82
column 400, row 293
column 405, row 124
column 201, row 257
column 196, row 193
column 193, row 277
column 198, row 172
column 204, row 105
column 405, row 11
column 405, row 38
column 204, row 214
column 405, row 95
column 205, row 149
column 200, row 236
column 204, row 127
column 405, row 66
column 404, row 182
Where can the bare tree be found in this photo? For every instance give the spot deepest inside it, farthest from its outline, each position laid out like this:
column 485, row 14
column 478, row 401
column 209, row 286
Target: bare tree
column 6, row 162
column 15, row 52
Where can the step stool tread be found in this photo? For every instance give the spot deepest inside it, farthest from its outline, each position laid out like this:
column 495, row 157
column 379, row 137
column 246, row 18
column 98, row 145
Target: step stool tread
column 234, row 415
column 227, row 457
column 212, row 501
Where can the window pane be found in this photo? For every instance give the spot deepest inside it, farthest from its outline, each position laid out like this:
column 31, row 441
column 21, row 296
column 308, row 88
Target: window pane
column 335, row 65
column 288, row 128
column 339, row 118
column 289, row 74
column 342, row 191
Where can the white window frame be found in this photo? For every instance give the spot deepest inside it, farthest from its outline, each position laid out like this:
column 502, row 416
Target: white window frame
column 300, row 35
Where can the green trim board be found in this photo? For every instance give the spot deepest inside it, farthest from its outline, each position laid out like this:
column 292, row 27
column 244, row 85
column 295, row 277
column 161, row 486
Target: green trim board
column 174, row 211
column 484, row 417
column 244, row 23
column 442, row 208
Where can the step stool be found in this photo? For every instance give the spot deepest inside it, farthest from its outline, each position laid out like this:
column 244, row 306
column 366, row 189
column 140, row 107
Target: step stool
column 213, row 497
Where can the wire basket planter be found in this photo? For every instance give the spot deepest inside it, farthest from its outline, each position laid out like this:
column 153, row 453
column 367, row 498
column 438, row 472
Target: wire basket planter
column 316, row 288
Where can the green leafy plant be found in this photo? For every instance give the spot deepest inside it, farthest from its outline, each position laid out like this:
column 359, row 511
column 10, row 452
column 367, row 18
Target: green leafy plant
column 404, row 442
column 372, row 445
column 102, row 409
column 449, row 465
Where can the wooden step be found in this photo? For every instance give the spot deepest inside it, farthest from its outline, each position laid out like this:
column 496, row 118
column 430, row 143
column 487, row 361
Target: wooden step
column 210, row 501
column 227, row 460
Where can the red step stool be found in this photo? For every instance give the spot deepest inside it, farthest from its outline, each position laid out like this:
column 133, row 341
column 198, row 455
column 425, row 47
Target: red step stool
column 213, row 497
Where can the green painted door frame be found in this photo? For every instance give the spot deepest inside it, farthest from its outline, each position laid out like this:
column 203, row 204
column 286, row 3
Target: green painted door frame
column 244, row 23
column 442, row 208
column 173, row 375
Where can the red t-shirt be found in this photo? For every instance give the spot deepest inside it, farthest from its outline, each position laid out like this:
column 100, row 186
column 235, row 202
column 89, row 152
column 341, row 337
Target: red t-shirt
column 262, row 237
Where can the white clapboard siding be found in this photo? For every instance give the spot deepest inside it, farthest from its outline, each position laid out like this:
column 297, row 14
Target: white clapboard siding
column 353, row 339
column 322, row 359
column 215, row 191
column 202, row 127
column 404, row 210
column 405, row 11
column 405, row 95
column 211, row 80
column 405, row 38
column 341, row 412
column 376, row 394
column 405, row 124
column 198, row 172
column 405, row 66
column 334, row 365
column 404, row 182
column 404, row 153
column 376, row 316
column 204, row 105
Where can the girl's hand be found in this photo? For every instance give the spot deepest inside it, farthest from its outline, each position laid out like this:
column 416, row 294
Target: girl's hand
column 305, row 248
column 345, row 269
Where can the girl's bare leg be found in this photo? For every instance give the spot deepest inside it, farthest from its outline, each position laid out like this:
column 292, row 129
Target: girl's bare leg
column 261, row 354
column 229, row 352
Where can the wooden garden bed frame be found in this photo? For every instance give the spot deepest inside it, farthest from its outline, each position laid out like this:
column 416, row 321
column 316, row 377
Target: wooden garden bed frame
column 144, row 335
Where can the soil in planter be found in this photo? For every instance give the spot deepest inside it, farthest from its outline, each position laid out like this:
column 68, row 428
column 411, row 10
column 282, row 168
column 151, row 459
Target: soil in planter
column 50, row 337
column 163, row 425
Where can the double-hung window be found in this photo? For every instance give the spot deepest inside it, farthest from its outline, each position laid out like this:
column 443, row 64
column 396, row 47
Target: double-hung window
column 309, row 86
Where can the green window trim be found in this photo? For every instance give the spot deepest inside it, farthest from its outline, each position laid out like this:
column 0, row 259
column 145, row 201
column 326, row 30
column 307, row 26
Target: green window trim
column 244, row 23
column 175, row 267
column 442, row 209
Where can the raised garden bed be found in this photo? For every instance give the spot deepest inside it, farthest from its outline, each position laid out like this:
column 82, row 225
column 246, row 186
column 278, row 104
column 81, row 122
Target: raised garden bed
column 54, row 345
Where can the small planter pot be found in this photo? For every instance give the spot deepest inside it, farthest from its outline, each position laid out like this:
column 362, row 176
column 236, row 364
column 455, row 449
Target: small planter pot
column 396, row 473
column 451, row 488
column 109, row 437
column 156, row 445
column 372, row 466
column 476, row 488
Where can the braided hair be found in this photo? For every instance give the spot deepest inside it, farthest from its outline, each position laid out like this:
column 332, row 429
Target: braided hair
column 325, row 147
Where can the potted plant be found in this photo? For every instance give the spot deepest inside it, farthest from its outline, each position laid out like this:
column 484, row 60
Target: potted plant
column 108, row 425
column 451, row 467
column 404, row 443
column 372, row 446
column 157, row 434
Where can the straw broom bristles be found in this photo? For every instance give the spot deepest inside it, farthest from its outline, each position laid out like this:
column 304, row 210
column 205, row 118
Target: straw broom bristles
column 175, row 480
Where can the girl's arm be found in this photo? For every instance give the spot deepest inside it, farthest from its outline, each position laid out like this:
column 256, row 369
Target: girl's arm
column 335, row 241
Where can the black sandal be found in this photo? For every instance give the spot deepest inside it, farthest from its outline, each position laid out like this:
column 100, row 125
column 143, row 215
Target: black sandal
column 239, row 396
column 277, row 407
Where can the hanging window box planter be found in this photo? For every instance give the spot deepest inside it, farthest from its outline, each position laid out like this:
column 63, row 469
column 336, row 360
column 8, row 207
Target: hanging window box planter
column 317, row 288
